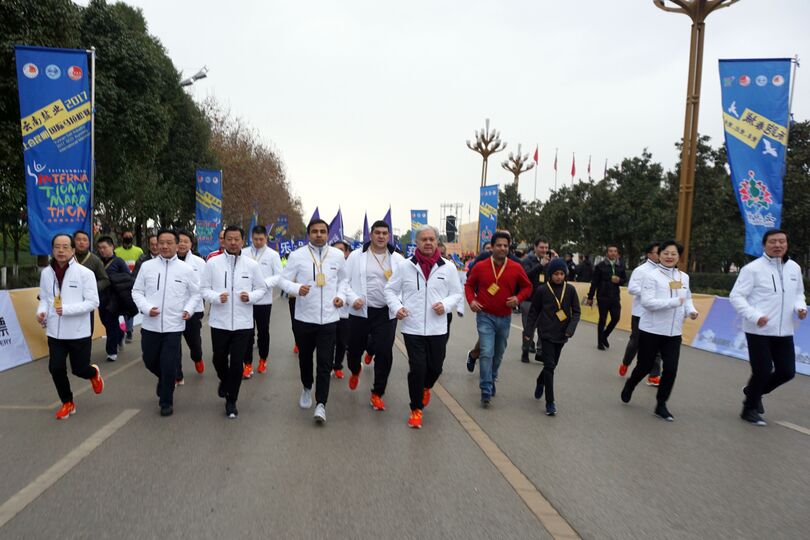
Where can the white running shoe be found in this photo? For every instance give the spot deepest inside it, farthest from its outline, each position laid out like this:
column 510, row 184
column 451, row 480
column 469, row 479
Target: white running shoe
column 320, row 413
column 305, row 401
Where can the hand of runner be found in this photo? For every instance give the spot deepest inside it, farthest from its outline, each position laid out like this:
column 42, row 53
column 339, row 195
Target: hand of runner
column 402, row 313
column 512, row 301
column 762, row 321
column 694, row 315
column 359, row 303
column 244, row 296
column 223, row 298
column 802, row 314
column 337, row 302
column 476, row 306
column 154, row 312
column 186, row 315
column 438, row 308
column 304, row 290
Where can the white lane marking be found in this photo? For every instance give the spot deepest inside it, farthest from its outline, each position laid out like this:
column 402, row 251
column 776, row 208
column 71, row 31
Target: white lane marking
column 794, row 427
column 29, row 493
column 546, row 514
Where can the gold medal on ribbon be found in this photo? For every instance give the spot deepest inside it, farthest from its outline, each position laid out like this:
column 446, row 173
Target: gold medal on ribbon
column 541, row 278
column 675, row 284
column 320, row 279
column 493, row 289
column 388, row 274
column 57, row 301
column 561, row 315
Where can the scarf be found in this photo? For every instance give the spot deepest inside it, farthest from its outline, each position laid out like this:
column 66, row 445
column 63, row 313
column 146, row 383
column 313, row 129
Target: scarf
column 59, row 271
column 425, row 262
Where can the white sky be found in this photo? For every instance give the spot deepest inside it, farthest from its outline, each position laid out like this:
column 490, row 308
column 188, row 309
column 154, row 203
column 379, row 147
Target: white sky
column 369, row 102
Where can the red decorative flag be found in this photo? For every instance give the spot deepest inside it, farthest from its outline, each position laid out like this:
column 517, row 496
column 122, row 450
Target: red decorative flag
column 537, row 154
column 573, row 166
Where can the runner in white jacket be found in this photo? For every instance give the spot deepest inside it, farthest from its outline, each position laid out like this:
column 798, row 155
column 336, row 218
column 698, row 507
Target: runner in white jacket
column 422, row 290
column 193, row 332
column 369, row 270
column 231, row 284
column 768, row 291
column 166, row 292
column 67, row 298
column 269, row 263
column 316, row 274
column 634, row 288
column 667, row 301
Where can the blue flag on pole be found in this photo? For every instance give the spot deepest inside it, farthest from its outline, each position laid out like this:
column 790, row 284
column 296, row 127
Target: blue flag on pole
column 281, row 227
column 209, row 210
column 366, row 234
column 487, row 215
column 254, row 219
column 336, row 228
column 56, row 123
column 756, row 112
column 387, row 219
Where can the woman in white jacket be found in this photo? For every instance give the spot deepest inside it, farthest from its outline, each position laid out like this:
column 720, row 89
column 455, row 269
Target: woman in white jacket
column 667, row 301
column 422, row 290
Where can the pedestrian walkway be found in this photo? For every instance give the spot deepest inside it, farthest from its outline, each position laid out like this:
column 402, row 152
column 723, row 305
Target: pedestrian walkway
column 600, row 469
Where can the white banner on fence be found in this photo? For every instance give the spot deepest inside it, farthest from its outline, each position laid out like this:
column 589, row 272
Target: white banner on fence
column 13, row 348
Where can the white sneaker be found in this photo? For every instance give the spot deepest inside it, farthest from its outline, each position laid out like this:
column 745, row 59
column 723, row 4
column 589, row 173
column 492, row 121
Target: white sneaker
column 320, row 413
column 305, row 401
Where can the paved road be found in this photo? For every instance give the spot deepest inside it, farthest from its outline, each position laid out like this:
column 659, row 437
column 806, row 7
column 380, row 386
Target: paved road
column 611, row 471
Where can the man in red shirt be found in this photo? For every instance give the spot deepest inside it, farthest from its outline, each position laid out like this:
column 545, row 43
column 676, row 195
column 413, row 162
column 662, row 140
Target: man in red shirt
column 493, row 289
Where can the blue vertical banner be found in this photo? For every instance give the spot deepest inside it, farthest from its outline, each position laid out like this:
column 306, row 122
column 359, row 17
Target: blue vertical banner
column 366, row 234
column 487, row 215
column 254, row 220
column 418, row 219
column 209, row 210
column 387, row 219
column 282, row 224
column 756, row 113
column 56, row 124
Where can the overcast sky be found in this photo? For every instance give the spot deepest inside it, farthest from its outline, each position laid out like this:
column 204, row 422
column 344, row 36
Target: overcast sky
column 369, row 102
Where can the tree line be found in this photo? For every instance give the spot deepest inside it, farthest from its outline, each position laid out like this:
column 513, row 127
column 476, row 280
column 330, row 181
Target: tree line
column 151, row 135
column 637, row 202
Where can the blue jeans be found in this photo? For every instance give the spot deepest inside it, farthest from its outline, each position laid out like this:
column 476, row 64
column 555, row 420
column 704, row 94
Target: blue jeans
column 493, row 331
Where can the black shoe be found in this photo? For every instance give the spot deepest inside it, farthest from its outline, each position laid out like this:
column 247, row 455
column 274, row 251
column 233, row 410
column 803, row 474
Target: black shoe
column 221, row 390
column 627, row 394
column 157, row 389
column 538, row 357
column 470, row 362
column 230, row 409
column 760, row 408
column 600, row 347
column 662, row 412
column 524, row 357
column 551, row 409
column 485, row 400
column 538, row 390
column 111, row 359
column 532, row 347
column 752, row 417
column 605, row 343
column 166, row 410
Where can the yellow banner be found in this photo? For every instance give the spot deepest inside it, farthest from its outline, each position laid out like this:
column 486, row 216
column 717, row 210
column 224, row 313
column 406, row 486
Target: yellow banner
column 751, row 126
column 208, row 200
column 39, row 118
column 67, row 121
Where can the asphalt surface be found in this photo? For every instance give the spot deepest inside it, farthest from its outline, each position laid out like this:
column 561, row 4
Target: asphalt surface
column 610, row 470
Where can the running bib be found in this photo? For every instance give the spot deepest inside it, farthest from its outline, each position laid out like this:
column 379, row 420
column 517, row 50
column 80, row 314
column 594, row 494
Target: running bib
column 493, row 289
column 561, row 315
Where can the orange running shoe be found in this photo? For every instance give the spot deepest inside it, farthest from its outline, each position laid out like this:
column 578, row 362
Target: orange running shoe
column 354, row 380
column 97, row 382
column 653, row 381
column 377, row 402
column 339, row 373
column 247, row 372
column 622, row 370
column 295, row 348
column 415, row 420
column 262, row 365
column 426, row 397
column 66, row 410
column 368, row 358
column 199, row 366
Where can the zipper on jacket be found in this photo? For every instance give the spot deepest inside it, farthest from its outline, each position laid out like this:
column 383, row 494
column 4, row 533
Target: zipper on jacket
column 163, row 302
column 774, row 283
column 231, row 295
column 782, row 285
column 424, row 318
column 675, row 312
column 58, row 318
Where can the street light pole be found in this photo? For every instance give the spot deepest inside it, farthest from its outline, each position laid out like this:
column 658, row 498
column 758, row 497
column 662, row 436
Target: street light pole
column 518, row 164
column 202, row 74
column 697, row 10
column 486, row 143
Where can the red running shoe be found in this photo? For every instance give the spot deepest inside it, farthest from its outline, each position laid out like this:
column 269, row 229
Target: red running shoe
column 622, row 370
column 65, row 410
column 199, row 366
column 426, row 397
column 339, row 374
column 262, row 365
column 415, row 420
column 97, row 382
column 368, row 359
column 354, row 380
column 377, row 402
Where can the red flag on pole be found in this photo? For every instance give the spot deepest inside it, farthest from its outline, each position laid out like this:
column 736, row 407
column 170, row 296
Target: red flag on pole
column 573, row 166
column 537, row 154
